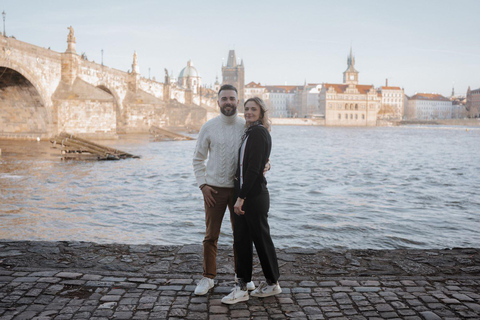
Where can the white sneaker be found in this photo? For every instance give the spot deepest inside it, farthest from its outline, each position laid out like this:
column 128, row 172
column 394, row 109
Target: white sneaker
column 266, row 290
column 203, row 286
column 250, row 285
column 237, row 295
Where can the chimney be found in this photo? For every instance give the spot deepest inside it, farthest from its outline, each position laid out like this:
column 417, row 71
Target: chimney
column 386, row 82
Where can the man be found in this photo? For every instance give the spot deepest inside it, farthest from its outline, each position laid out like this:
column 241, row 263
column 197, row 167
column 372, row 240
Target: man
column 219, row 141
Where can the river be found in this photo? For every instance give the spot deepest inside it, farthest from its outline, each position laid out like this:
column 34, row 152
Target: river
column 375, row 187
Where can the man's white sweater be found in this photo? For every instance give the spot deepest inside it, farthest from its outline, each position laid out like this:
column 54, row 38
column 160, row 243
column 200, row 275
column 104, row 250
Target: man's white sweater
column 219, row 141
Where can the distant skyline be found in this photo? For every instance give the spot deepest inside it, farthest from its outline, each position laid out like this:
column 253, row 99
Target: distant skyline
column 421, row 46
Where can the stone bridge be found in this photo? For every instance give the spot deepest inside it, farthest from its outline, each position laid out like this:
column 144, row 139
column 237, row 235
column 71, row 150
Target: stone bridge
column 43, row 92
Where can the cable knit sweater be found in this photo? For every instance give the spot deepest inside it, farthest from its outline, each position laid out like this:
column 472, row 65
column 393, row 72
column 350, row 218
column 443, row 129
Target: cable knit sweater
column 219, row 140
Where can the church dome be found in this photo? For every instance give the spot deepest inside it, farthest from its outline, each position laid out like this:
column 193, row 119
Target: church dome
column 188, row 71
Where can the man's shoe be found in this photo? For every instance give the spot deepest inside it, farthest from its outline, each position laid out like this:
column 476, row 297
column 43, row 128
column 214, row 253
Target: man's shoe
column 203, row 286
column 237, row 295
column 266, row 290
column 250, row 285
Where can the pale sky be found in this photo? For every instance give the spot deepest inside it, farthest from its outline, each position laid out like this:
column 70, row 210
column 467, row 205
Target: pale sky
column 422, row 46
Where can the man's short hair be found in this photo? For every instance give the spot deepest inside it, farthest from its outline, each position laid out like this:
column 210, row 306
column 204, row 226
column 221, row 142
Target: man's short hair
column 227, row 87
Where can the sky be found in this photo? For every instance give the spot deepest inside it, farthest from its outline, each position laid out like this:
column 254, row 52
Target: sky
column 421, row 46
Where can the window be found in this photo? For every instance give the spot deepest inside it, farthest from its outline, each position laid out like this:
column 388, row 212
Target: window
column 351, row 116
column 356, row 116
column 363, row 117
column 339, row 116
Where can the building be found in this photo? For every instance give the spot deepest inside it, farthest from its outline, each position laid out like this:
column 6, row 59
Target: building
column 234, row 74
column 473, row 103
column 307, row 103
column 276, row 101
column 429, row 106
column 189, row 78
column 253, row 89
column 349, row 103
column 392, row 103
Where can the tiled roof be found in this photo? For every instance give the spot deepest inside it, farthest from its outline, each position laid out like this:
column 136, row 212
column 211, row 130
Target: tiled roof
column 429, row 96
column 286, row 89
column 390, row 88
column 340, row 88
column 254, row 85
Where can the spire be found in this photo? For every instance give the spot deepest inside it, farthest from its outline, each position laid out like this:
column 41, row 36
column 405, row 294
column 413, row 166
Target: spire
column 135, row 63
column 351, row 58
column 232, row 59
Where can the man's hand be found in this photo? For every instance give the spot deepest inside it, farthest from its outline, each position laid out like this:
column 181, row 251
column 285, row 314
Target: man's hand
column 267, row 167
column 237, row 208
column 208, row 193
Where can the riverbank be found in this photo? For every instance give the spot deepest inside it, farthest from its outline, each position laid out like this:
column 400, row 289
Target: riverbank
column 83, row 280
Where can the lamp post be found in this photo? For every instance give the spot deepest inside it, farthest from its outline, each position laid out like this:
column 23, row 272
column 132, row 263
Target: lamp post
column 4, row 14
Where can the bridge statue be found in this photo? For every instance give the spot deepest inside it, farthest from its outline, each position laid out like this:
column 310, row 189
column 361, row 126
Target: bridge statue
column 71, row 37
column 167, row 77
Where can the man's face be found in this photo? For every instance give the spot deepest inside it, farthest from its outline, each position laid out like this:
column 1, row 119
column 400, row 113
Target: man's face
column 228, row 102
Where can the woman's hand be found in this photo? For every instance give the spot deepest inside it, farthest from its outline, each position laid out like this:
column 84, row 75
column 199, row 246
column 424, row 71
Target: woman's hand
column 237, row 208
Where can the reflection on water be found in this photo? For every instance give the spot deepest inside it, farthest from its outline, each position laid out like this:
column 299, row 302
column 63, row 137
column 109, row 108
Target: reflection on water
column 330, row 188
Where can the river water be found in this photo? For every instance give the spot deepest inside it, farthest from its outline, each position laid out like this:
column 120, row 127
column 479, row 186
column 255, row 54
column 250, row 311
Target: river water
column 379, row 188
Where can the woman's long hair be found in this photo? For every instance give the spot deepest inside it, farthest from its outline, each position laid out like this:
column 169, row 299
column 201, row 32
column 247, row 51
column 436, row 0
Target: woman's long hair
column 265, row 121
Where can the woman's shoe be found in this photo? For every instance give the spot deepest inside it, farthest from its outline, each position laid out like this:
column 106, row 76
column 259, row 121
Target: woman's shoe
column 266, row 290
column 237, row 295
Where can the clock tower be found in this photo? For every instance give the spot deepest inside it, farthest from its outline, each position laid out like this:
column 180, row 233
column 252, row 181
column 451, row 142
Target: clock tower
column 350, row 76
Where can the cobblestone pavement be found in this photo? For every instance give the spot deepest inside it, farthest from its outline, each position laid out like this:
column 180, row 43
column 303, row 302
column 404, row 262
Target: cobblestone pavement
column 78, row 280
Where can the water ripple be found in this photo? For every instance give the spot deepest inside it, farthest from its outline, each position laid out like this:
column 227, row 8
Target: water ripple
column 380, row 188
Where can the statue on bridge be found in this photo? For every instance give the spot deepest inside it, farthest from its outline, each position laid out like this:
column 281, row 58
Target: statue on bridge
column 71, row 41
column 167, row 77
column 71, row 36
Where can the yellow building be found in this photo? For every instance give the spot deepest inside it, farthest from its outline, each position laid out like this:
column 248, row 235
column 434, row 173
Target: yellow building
column 349, row 103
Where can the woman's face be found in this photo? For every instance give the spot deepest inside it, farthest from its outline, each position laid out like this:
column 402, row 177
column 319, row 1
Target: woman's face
column 252, row 112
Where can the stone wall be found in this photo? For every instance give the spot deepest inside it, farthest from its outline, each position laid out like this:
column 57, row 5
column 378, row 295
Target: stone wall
column 21, row 108
column 86, row 117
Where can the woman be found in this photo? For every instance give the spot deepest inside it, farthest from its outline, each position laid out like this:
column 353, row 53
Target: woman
column 251, row 208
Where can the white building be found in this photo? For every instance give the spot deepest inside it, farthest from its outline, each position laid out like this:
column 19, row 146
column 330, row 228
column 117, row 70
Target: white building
column 307, row 100
column 276, row 100
column 253, row 89
column 429, row 106
column 392, row 103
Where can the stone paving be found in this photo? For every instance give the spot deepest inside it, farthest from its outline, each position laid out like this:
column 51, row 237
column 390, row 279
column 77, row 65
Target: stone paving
column 81, row 280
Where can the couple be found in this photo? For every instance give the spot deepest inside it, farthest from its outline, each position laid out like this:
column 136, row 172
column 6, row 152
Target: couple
column 233, row 177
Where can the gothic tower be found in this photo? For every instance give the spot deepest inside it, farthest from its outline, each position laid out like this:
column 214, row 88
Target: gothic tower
column 234, row 74
column 350, row 76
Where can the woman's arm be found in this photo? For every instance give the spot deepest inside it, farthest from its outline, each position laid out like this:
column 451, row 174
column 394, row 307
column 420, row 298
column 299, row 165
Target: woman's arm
column 254, row 159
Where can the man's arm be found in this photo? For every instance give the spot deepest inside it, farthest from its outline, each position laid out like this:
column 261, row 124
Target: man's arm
column 199, row 167
column 200, row 156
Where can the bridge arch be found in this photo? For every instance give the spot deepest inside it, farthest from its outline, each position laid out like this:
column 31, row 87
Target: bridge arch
column 25, row 105
column 120, row 118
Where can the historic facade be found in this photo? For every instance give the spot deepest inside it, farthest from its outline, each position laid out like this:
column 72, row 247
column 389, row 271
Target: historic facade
column 429, row 106
column 392, row 103
column 189, row 78
column 473, row 103
column 349, row 103
column 234, row 74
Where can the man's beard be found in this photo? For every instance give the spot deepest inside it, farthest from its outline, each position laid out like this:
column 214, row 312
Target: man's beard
column 228, row 113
